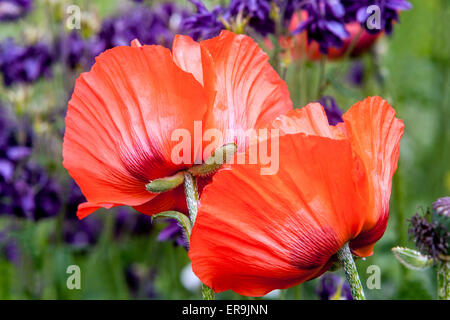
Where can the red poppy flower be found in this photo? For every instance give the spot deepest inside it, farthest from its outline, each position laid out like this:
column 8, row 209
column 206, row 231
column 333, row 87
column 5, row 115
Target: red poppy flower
column 255, row 233
column 123, row 111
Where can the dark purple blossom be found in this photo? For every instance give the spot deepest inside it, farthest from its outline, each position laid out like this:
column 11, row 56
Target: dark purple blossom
column 173, row 232
column 430, row 233
column 70, row 49
column 11, row 10
column 258, row 13
column 204, row 24
column 24, row 63
column 25, row 188
column 150, row 25
column 330, row 284
column 334, row 114
column 359, row 10
column 324, row 24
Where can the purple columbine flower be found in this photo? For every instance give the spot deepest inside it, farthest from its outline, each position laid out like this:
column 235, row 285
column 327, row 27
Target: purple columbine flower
column 24, row 64
column 325, row 23
column 150, row 25
column 204, row 24
column 359, row 10
column 334, row 114
column 330, row 284
column 11, row 10
column 70, row 49
column 257, row 12
column 25, row 188
column 173, row 232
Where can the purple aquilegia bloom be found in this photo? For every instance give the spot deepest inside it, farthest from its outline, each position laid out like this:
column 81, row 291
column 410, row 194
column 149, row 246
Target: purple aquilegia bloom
column 334, row 114
column 11, row 10
column 360, row 10
column 257, row 12
column 25, row 188
column 173, row 232
column 329, row 285
column 204, row 24
column 24, row 64
column 324, row 24
column 150, row 25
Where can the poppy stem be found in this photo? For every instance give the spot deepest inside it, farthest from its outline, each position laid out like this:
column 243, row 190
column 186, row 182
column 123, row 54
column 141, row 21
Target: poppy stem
column 345, row 257
column 443, row 279
column 191, row 192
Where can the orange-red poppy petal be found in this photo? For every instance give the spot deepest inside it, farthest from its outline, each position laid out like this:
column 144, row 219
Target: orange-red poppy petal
column 86, row 208
column 255, row 233
column 375, row 136
column 311, row 120
column 249, row 93
column 120, row 120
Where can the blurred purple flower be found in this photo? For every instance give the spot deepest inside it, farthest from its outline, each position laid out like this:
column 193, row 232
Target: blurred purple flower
column 358, row 10
column 258, row 13
column 25, row 188
column 329, row 285
column 11, row 10
column 204, row 24
column 334, row 114
column 356, row 73
column 324, row 24
column 24, row 64
column 173, row 232
column 150, row 25
column 70, row 49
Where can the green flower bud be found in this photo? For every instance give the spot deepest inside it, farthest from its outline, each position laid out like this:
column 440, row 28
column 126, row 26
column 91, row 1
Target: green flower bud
column 412, row 259
column 165, row 184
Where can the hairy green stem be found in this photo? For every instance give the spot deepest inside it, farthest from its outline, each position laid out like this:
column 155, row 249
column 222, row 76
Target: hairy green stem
column 191, row 192
column 345, row 257
column 443, row 279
